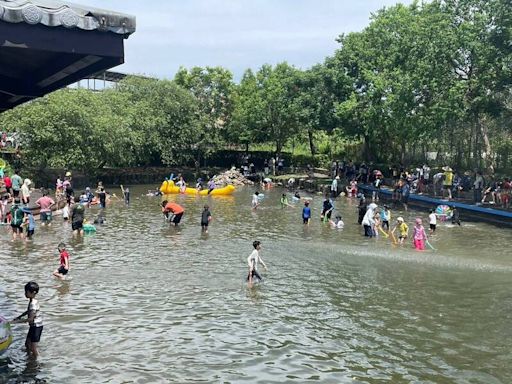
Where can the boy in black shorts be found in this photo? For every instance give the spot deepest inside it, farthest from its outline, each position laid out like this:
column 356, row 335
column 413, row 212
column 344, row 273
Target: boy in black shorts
column 63, row 269
column 34, row 318
column 206, row 217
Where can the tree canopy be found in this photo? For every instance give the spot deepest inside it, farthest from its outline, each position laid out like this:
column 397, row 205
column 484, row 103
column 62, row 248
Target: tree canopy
column 427, row 77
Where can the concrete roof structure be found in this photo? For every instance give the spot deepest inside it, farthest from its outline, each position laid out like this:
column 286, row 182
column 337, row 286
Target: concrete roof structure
column 46, row 45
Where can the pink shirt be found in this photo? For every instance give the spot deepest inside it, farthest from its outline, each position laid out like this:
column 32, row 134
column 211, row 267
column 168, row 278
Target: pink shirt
column 45, row 202
column 419, row 233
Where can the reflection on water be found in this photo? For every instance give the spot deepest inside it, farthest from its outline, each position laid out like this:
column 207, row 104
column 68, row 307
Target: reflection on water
column 150, row 303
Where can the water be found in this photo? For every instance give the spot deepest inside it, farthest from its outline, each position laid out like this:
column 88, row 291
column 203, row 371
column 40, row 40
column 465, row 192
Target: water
column 148, row 304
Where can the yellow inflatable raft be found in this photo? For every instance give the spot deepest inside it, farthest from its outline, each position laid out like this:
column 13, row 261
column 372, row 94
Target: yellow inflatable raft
column 168, row 187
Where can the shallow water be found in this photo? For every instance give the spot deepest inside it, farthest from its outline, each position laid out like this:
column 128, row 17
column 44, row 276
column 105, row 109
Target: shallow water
column 147, row 303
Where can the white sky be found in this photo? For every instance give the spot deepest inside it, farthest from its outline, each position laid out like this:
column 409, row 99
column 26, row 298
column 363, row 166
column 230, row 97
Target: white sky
column 235, row 34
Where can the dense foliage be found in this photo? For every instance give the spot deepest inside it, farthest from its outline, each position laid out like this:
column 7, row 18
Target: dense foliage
column 431, row 77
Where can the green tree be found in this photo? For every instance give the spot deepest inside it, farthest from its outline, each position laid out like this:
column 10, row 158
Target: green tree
column 165, row 118
column 247, row 103
column 70, row 128
column 213, row 88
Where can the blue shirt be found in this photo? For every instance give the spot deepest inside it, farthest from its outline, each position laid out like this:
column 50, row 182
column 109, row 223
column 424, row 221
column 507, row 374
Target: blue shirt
column 31, row 222
column 306, row 212
column 406, row 189
column 17, row 181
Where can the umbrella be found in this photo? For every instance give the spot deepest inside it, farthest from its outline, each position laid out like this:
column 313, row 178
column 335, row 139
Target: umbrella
column 444, row 212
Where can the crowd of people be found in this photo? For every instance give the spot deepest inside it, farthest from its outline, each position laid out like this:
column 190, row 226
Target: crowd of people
column 444, row 182
column 271, row 167
column 375, row 220
column 17, row 206
column 17, row 209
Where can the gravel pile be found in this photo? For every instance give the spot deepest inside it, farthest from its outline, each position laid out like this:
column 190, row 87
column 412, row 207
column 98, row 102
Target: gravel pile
column 231, row 176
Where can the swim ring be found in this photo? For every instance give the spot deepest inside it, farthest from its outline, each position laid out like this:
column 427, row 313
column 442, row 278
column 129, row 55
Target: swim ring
column 89, row 228
column 5, row 335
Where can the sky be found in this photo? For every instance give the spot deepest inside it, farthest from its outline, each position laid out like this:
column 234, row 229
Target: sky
column 235, row 34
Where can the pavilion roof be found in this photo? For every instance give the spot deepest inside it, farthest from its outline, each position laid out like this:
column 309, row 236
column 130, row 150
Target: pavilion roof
column 52, row 13
column 46, row 45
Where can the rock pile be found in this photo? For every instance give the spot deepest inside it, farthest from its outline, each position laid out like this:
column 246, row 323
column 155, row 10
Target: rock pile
column 231, row 176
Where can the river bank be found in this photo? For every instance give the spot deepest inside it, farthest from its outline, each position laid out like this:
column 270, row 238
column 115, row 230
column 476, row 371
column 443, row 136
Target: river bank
column 115, row 176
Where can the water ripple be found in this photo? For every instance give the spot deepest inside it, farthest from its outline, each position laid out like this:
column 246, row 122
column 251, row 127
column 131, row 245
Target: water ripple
column 150, row 303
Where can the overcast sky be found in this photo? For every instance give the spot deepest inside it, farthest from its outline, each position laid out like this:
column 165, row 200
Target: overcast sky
column 235, row 34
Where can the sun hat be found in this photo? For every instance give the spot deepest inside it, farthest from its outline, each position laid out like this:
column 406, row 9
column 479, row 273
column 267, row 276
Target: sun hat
column 400, row 218
column 418, row 220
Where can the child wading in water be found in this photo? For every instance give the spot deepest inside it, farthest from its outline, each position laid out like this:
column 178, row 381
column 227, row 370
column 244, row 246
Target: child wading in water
column 255, row 200
column 63, row 270
column 306, row 213
column 385, row 217
column 29, row 224
column 206, row 217
column 432, row 221
column 337, row 223
column 253, row 260
column 420, row 236
column 34, row 318
column 284, row 201
column 403, row 229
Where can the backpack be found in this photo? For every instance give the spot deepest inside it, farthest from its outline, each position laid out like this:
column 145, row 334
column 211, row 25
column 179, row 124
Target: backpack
column 17, row 215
